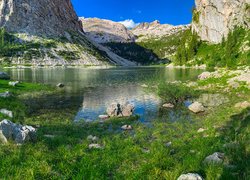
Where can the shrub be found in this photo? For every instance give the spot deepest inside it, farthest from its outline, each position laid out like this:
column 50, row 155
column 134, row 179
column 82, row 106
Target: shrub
column 174, row 93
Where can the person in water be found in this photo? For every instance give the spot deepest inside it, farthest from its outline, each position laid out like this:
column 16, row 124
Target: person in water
column 119, row 110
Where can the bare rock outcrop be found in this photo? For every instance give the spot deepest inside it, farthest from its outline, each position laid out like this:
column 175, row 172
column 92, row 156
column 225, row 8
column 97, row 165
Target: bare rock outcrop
column 39, row 17
column 213, row 19
column 155, row 29
column 105, row 31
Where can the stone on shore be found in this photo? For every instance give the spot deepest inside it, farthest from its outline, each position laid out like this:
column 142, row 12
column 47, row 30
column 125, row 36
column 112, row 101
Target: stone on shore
column 103, row 117
column 4, row 76
column 6, row 112
column 3, row 139
column 5, row 94
column 20, row 134
column 60, row 85
column 92, row 138
column 126, row 127
column 196, row 107
column 13, row 83
column 126, row 110
column 168, row 105
column 216, row 158
column 95, row 146
column 242, row 105
column 204, row 75
column 190, row 176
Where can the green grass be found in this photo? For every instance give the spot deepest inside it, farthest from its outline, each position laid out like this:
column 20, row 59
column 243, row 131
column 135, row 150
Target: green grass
column 139, row 154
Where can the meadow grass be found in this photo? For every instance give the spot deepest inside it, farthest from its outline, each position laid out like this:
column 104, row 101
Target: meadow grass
column 138, row 154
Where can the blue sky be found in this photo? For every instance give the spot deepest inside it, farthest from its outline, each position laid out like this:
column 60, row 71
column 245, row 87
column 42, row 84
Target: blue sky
column 166, row 11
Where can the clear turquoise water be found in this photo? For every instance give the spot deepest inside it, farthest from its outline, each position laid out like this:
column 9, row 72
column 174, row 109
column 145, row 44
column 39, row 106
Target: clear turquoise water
column 95, row 89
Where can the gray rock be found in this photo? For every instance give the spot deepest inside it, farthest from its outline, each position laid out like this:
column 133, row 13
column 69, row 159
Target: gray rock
column 95, row 146
column 168, row 144
column 190, row 176
column 168, row 105
column 20, row 134
column 216, row 158
column 6, row 112
column 126, row 110
column 204, row 75
column 3, row 75
column 126, row 127
column 5, row 95
column 201, row 130
column 103, row 117
column 12, row 83
column 60, row 85
column 3, row 139
column 242, row 105
column 92, row 138
column 196, row 107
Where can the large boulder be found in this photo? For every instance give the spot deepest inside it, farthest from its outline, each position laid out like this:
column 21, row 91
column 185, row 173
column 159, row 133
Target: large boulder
column 4, row 76
column 190, row 176
column 196, row 107
column 20, row 134
column 120, row 110
column 5, row 94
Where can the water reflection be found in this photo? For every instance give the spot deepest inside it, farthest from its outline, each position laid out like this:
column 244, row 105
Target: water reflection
column 101, row 87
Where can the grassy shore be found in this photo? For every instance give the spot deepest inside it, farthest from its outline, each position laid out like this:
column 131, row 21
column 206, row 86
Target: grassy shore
column 61, row 149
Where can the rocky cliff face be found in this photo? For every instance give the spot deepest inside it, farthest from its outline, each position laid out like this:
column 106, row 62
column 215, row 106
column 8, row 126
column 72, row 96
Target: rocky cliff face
column 39, row 17
column 213, row 19
column 154, row 29
column 105, row 31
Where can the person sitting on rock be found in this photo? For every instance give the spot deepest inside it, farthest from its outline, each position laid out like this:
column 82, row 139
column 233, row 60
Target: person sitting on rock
column 119, row 110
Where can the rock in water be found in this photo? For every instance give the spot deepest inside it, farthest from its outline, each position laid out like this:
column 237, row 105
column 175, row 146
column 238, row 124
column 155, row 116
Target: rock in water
column 190, row 176
column 120, row 110
column 17, row 132
column 6, row 112
column 196, row 107
column 3, row 139
column 39, row 17
column 216, row 158
column 103, row 117
column 3, row 75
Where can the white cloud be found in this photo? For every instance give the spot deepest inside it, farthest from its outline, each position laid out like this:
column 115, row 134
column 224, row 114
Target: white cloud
column 129, row 23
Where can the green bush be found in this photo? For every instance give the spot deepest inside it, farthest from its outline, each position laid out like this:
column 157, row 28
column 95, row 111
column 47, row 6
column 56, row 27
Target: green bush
column 174, row 93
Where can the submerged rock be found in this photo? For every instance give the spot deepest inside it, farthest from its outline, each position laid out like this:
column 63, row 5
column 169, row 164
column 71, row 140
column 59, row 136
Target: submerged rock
column 4, row 76
column 6, row 112
column 120, row 110
column 168, row 105
column 17, row 132
column 216, row 158
column 190, row 176
column 196, row 107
